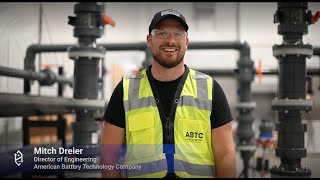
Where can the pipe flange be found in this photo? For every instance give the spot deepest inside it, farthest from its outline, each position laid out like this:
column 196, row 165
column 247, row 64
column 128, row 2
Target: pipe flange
column 246, row 105
column 292, row 49
column 291, row 104
column 245, row 148
column 87, row 52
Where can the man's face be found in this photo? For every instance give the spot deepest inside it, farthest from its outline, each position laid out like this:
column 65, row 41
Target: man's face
column 168, row 42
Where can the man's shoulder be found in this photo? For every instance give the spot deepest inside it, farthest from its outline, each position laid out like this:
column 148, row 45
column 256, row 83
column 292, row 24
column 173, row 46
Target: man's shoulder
column 200, row 75
column 137, row 75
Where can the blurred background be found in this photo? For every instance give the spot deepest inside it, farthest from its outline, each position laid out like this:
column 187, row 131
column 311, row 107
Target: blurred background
column 28, row 28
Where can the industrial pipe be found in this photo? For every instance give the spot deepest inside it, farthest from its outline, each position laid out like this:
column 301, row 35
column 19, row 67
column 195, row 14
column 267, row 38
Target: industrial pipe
column 29, row 60
column 25, row 105
column 291, row 101
column 232, row 72
column 33, row 49
column 86, row 56
column 244, row 132
column 316, row 51
column 42, row 77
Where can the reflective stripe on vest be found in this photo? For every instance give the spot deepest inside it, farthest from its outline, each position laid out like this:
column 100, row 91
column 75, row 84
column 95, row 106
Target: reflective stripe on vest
column 140, row 106
column 194, row 169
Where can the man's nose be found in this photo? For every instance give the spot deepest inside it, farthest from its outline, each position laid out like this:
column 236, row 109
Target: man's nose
column 170, row 37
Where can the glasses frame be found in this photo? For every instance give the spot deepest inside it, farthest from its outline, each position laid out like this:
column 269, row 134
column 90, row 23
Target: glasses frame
column 185, row 34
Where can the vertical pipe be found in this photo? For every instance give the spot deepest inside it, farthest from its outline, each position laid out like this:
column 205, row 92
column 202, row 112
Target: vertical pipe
column 62, row 121
column 86, row 56
column 60, row 85
column 291, row 102
column 244, row 132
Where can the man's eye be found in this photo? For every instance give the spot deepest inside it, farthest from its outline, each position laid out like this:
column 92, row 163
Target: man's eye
column 162, row 33
column 178, row 34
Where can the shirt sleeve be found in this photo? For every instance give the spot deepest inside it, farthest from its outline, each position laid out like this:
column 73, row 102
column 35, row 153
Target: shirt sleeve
column 114, row 113
column 220, row 113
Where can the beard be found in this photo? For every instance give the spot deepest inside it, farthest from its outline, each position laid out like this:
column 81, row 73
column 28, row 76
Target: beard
column 167, row 63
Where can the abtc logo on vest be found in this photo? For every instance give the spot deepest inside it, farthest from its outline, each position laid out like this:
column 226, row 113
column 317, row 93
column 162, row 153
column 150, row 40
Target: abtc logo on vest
column 193, row 136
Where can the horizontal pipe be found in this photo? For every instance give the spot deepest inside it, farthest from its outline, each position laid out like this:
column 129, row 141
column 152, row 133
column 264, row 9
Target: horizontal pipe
column 231, row 72
column 218, row 72
column 64, row 80
column 24, row 105
column 312, row 72
column 36, row 48
column 237, row 45
column 142, row 46
column 125, row 47
column 10, row 72
column 30, row 75
column 192, row 45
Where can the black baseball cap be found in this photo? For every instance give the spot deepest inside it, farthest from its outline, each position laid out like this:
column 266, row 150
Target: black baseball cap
column 168, row 13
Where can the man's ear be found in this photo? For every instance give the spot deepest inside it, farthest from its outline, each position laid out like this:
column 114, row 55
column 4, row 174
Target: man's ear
column 187, row 43
column 149, row 40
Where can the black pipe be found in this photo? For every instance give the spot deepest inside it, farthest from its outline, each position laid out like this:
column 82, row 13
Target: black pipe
column 192, row 45
column 25, row 105
column 29, row 60
column 86, row 56
column 316, row 51
column 237, row 45
column 218, row 72
column 31, row 75
column 10, row 72
column 125, row 47
column 33, row 49
column 244, row 132
column 232, row 72
column 291, row 100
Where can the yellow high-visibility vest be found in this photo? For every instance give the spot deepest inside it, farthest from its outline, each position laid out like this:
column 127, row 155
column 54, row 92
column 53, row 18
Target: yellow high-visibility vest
column 144, row 155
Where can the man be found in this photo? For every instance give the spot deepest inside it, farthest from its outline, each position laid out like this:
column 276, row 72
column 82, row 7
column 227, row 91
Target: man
column 174, row 121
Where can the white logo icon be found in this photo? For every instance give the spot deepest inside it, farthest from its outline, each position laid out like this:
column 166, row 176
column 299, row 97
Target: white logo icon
column 18, row 158
column 170, row 12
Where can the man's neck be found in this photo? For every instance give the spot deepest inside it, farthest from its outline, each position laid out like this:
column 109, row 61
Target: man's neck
column 163, row 74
